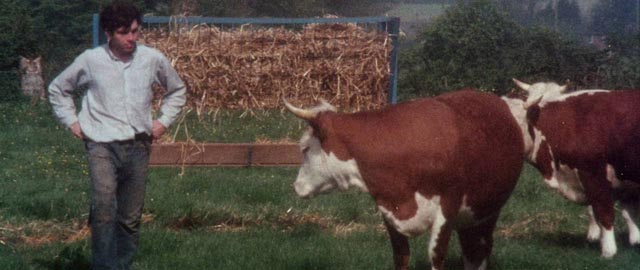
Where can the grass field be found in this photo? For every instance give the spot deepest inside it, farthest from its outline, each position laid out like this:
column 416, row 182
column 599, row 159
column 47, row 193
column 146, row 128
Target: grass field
column 248, row 218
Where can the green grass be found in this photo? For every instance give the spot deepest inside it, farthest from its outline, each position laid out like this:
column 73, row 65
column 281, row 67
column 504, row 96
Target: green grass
column 237, row 126
column 249, row 218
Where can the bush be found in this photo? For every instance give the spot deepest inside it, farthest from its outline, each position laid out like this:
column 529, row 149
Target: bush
column 471, row 45
column 621, row 68
column 477, row 45
column 10, row 86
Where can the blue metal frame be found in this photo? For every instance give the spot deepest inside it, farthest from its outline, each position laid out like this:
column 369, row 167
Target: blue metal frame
column 389, row 24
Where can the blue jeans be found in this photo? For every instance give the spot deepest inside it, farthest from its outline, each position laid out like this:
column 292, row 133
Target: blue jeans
column 118, row 172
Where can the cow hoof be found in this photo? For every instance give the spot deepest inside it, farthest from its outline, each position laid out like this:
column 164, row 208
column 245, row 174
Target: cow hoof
column 608, row 244
column 608, row 254
column 634, row 238
column 608, row 251
column 594, row 233
column 475, row 266
column 593, row 236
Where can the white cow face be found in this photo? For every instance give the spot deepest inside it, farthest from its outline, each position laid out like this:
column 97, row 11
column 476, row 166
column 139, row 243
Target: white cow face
column 567, row 182
column 322, row 171
column 516, row 106
column 540, row 91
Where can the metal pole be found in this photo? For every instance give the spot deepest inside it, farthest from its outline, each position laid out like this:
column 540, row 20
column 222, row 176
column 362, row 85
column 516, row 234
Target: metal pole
column 96, row 30
column 393, row 27
column 555, row 15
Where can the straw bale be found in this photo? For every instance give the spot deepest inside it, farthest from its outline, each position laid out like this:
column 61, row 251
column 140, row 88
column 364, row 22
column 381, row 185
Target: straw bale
column 254, row 67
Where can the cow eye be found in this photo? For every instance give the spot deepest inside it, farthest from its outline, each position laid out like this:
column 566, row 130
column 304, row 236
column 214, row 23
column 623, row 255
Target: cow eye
column 305, row 150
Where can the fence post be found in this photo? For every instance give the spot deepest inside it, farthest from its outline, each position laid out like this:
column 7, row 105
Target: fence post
column 393, row 28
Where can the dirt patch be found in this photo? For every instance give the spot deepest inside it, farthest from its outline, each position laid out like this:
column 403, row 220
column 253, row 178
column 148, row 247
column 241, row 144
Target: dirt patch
column 37, row 233
column 523, row 229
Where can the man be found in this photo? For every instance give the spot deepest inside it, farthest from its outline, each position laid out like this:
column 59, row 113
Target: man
column 115, row 121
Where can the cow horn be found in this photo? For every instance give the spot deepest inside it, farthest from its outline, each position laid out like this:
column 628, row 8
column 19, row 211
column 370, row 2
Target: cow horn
column 563, row 88
column 527, row 105
column 523, row 86
column 300, row 113
column 327, row 106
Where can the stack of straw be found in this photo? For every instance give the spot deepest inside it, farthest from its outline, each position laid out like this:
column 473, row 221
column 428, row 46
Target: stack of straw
column 253, row 67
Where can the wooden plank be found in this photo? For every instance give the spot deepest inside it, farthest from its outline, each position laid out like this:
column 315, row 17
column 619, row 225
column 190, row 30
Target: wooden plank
column 222, row 154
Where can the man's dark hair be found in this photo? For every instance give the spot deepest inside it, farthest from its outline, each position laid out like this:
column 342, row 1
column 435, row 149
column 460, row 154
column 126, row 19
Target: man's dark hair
column 119, row 14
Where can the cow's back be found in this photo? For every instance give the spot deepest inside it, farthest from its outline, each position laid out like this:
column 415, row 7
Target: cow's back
column 461, row 144
column 491, row 147
column 599, row 127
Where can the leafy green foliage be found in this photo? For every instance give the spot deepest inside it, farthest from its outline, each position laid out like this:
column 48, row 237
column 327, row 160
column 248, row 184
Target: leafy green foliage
column 622, row 66
column 477, row 45
column 565, row 17
column 474, row 45
column 54, row 30
column 615, row 17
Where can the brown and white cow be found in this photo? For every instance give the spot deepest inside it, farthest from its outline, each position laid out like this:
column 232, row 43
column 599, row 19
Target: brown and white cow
column 586, row 144
column 440, row 164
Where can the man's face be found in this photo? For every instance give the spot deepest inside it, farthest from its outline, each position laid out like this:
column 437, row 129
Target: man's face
column 123, row 40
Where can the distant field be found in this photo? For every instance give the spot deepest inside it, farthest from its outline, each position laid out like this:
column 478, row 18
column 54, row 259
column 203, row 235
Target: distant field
column 248, row 218
column 414, row 16
column 410, row 12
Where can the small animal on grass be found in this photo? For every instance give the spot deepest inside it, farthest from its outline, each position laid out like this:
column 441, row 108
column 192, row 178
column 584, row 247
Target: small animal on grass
column 586, row 145
column 439, row 164
column 31, row 81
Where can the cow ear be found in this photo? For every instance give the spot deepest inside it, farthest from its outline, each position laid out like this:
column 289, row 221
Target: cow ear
column 521, row 85
column 317, row 130
column 563, row 88
column 533, row 113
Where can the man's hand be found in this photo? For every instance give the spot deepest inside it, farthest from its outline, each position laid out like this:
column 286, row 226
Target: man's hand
column 157, row 129
column 76, row 130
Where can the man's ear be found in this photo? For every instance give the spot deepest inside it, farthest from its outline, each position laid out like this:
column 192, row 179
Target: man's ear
column 108, row 34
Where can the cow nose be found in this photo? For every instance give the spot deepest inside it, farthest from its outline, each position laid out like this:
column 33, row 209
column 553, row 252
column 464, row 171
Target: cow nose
column 301, row 189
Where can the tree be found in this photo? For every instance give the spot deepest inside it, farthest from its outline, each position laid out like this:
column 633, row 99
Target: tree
column 477, row 45
column 17, row 37
column 615, row 17
column 471, row 45
column 350, row 8
column 561, row 16
column 17, row 33
column 55, row 30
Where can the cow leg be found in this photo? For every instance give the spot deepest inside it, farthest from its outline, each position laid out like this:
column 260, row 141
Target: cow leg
column 593, row 234
column 477, row 243
column 630, row 209
column 439, row 241
column 599, row 194
column 400, row 246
